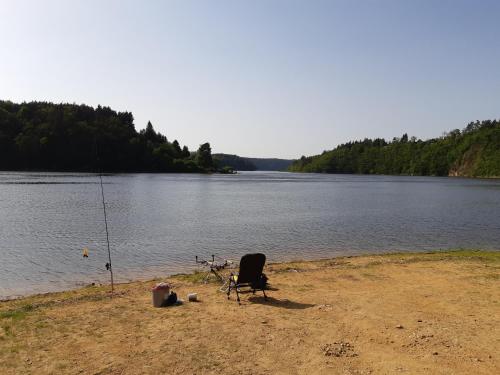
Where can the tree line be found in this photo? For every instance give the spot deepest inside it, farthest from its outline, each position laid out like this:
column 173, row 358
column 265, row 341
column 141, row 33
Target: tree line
column 234, row 161
column 70, row 137
column 473, row 151
column 242, row 163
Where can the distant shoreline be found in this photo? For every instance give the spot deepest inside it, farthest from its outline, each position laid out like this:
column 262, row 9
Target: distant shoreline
column 245, row 171
column 154, row 273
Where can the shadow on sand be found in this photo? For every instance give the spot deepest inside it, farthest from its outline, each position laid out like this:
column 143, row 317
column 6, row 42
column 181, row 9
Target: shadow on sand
column 283, row 303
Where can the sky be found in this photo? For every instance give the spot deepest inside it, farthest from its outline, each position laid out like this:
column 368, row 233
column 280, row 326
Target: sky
column 261, row 78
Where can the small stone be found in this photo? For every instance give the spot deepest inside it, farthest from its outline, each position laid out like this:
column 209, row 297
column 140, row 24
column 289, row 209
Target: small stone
column 435, row 353
column 399, row 326
column 420, row 320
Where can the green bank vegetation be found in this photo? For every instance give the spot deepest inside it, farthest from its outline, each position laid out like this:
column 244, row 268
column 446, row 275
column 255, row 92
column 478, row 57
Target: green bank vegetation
column 234, row 161
column 242, row 163
column 70, row 137
column 471, row 152
column 459, row 254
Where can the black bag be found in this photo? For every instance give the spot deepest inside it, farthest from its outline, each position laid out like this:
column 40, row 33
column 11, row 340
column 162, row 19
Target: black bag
column 262, row 283
column 171, row 299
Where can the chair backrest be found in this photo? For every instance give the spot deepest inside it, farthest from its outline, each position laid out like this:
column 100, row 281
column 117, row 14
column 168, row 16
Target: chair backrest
column 251, row 266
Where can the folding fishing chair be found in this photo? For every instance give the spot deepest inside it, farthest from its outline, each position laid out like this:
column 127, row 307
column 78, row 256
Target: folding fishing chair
column 250, row 276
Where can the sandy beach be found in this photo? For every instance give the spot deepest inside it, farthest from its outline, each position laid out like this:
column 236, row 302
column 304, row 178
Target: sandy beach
column 433, row 313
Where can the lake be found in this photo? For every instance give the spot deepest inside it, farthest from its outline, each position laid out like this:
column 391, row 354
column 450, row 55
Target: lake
column 159, row 222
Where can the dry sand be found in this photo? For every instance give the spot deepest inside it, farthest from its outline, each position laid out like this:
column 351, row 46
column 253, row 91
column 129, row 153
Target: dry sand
column 415, row 314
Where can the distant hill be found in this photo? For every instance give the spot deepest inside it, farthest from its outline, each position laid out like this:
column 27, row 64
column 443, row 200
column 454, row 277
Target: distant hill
column 241, row 163
column 233, row 161
column 471, row 152
column 264, row 164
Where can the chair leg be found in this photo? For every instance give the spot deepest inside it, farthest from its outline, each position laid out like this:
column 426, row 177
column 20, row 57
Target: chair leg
column 237, row 294
column 229, row 289
column 265, row 297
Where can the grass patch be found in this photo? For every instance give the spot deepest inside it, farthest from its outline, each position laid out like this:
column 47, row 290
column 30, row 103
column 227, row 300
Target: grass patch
column 492, row 276
column 58, row 298
column 290, row 267
column 15, row 349
column 8, row 330
column 196, row 277
column 371, row 276
column 305, row 288
column 483, row 256
column 41, row 325
column 61, row 365
column 459, row 254
column 373, row 263
column 18, row 313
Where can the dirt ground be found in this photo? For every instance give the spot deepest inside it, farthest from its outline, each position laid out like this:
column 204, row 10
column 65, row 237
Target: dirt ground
column 416, row 313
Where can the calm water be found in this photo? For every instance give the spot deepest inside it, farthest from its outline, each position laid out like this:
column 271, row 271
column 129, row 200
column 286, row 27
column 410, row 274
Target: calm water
column 158, row 223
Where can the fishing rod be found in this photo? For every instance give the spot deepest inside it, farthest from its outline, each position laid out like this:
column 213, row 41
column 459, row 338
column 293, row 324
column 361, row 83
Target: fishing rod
column 109, row 266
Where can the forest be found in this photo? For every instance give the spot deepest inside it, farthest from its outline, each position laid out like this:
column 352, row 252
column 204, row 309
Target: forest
column 471, row 152
column 70, row 137
column 242, row 163
column 234, row 161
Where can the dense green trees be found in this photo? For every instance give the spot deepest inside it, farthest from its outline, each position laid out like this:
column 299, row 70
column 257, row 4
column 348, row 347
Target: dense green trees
column 473, row 151
column 242, row 163
column 234, row 161
column 204, row 156
column 70, row 137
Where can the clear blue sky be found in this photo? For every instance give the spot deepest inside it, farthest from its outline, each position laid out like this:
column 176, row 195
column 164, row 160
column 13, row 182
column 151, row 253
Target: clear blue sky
column 261, row 78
